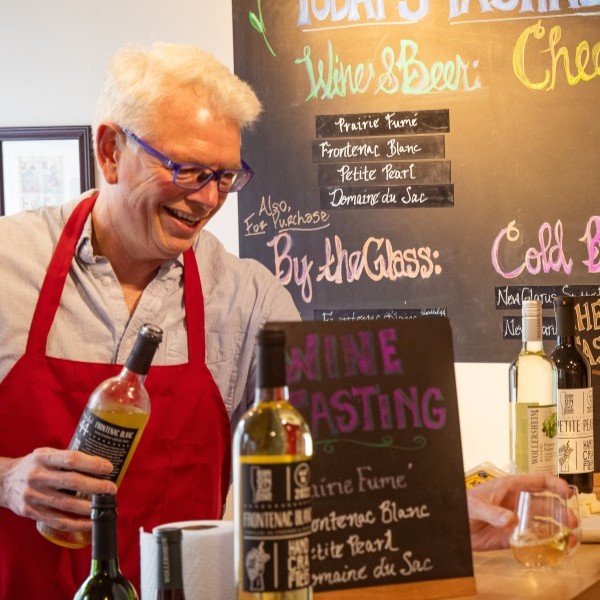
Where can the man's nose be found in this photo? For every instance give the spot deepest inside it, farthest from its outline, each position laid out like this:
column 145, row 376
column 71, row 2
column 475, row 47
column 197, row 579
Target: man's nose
column 208, row 195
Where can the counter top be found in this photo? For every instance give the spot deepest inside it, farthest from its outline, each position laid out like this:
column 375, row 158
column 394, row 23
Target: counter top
column 498, row 575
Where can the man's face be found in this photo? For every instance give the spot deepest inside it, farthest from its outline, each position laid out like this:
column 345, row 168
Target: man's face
column 153, row 218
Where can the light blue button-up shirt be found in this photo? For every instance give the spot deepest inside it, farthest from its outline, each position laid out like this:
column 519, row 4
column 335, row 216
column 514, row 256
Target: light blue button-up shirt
column 93, row 323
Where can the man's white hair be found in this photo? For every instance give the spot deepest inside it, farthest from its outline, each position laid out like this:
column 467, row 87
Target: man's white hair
column 141, row 78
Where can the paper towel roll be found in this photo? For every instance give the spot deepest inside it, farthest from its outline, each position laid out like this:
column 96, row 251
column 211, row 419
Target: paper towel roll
column 207, row 556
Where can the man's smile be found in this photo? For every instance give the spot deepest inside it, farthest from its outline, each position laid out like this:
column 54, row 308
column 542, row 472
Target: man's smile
column 183, row 216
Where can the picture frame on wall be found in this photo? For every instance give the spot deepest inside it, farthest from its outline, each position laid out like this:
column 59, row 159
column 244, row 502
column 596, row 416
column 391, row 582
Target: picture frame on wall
column 44, row 166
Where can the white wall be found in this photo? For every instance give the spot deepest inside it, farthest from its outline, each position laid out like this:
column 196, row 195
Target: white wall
column 52, row 57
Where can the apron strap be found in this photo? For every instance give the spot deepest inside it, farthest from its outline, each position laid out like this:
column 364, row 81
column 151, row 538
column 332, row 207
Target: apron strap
column 56, row 277
column 194, row 308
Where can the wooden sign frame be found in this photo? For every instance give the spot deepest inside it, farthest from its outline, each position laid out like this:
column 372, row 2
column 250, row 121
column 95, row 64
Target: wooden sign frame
column 422, row 590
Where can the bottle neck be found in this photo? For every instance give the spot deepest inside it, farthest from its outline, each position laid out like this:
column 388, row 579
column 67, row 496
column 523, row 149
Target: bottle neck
column 270, row 372
column 533, row 346
column 565, row 326
column 104, row 544
column 170, row 572
column 271, row 394
column 565, row 340
column 129, row 375
column 144, row 348
column 532, row 333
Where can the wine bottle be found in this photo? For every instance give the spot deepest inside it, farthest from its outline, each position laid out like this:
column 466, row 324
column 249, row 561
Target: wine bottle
column 272, row 448
column 532, row 395
column 575, row 402
column 113, row 421
column 105, row 581
column 169, row 585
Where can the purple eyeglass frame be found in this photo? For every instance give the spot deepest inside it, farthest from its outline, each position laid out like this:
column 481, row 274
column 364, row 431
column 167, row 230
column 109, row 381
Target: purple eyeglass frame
column 240, row 177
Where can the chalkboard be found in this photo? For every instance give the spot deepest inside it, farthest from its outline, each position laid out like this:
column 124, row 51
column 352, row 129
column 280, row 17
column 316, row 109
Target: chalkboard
column 389, row 502
column 424, row 158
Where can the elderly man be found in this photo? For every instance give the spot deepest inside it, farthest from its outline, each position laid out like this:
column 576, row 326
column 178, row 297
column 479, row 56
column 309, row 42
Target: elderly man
column 80, row 279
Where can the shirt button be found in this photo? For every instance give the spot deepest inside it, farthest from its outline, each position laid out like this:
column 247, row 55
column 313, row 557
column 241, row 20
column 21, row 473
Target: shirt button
column 105, row 281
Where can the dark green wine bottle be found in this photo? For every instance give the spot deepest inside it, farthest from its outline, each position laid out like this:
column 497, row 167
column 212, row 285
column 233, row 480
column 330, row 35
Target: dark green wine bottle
column 105, row 582
column 575, row 402
column 169, row 585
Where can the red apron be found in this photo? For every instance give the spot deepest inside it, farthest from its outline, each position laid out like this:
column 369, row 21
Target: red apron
column 180, row 470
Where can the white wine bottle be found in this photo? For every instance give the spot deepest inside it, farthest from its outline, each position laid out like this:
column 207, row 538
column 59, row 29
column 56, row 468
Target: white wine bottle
column 272, row 448
column 113, row 421
column 575, row 402
column 105, row 581
column 169, row 568
column 532, row 391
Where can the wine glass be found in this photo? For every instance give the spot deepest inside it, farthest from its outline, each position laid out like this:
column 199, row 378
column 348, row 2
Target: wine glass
column 546, row 529
column 575, row 521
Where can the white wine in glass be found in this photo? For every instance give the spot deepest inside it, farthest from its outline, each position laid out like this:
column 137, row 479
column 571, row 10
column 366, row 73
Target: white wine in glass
column 544, row 533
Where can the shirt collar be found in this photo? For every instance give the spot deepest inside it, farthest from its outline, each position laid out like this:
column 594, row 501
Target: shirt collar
column 85, row 251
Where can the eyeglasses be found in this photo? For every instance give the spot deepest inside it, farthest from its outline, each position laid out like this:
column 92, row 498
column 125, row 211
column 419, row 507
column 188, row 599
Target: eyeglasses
column 194, row 177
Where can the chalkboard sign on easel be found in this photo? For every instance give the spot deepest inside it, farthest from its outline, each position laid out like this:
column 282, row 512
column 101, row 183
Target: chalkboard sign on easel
column 389, row 501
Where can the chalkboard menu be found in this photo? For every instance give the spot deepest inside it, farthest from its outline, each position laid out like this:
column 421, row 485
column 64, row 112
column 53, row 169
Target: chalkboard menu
column 389, row 503
column 424, row 158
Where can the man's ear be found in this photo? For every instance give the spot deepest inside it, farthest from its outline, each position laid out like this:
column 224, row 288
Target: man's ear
column 108, row 151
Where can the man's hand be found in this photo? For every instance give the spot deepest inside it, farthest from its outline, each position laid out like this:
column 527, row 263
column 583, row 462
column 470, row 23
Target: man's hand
column 492, row 506
column 31, row 486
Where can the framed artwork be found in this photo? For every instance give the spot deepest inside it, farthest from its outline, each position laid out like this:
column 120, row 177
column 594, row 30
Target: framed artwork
column 44, row 166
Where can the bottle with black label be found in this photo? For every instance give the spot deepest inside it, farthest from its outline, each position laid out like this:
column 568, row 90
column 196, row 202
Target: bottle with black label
column 105, row 581
column 272, row 448
column 113, row 421
column 532, row 395
column 169, row 569
column 575, row 402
